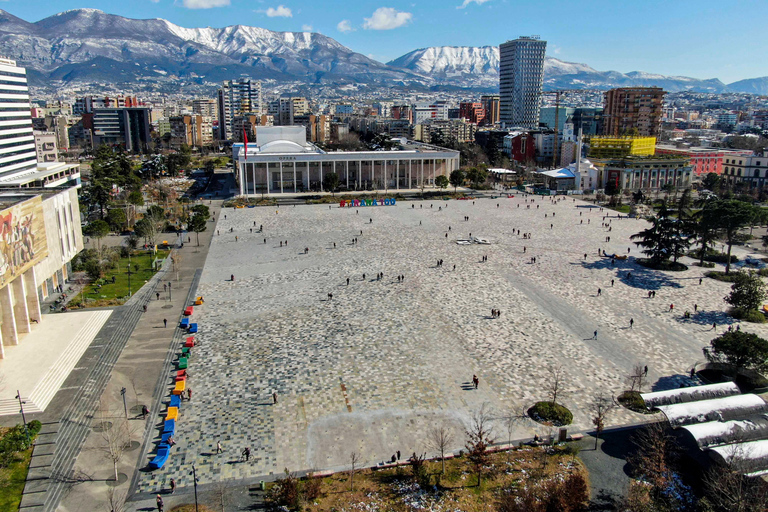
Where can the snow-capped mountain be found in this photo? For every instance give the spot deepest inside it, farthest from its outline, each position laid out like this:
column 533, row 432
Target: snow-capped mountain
column 88, row 44
column 480, row 66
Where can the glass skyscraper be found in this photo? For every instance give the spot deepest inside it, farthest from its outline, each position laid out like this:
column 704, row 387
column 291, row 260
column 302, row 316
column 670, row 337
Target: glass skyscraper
column 521, row 75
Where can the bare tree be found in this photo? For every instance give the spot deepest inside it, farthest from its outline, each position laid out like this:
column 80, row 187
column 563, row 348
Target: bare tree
column 479, row 434
column 221, row 495
column 653, row 459
column 601, row 406
column 728, row 489
column 636, row 379
column 440, row 439
column 555, row 383
column 355, row 461
column 115, row 500
column 117, row 434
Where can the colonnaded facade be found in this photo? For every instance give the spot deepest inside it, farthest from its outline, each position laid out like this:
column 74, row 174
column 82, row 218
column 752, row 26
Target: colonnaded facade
column 40, row 233
column 282, row 161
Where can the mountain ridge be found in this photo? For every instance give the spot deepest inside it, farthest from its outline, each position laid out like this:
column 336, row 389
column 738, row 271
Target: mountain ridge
column 89, row 45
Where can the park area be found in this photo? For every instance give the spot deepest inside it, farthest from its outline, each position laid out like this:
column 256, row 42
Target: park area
column 338, row 330
column 116, row 284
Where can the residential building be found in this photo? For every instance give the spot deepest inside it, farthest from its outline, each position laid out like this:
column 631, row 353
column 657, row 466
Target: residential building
column 128, row 127
column 281, row 160
column 192, row 130
column 590, row 120
column 45, row 147
column 206, row 108
column 521, row 75
column 237, row 98
column 87, row 104
column 344, row 110
column 424, row 111
column 491, row 106
column 458, row 130
column 633, row 108
column 474, row 112
column 492, row 141
column 43, row 235
column 617, row 147
column 402, row 112
column 163, row 126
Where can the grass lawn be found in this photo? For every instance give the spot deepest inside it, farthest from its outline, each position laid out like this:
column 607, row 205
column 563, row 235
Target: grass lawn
column 12, row 481
column 397, row 490
column 110, row 294
column 624, row 208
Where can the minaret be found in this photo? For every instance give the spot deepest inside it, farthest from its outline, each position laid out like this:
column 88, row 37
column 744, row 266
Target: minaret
column 578, row 152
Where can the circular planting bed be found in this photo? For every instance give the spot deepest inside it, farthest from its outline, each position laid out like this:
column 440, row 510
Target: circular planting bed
column 671, row 266
column 550, row 414
column 633, row 401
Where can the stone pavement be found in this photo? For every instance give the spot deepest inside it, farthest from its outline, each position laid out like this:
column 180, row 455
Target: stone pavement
column 376, row 366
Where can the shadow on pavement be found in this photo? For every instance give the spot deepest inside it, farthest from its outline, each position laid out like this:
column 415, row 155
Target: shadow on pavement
column 672, row 382
column 642, row 278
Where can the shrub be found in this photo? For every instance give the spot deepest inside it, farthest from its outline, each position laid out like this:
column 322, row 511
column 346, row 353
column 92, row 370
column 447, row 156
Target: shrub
column 721, row 276
column 672, row 266
column 748, row 315
column 548, row 412
column 713, row 256
column 632, row 401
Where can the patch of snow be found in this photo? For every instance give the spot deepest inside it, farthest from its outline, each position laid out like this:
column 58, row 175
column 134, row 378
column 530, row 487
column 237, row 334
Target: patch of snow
column 717, row 409
column 682, row 395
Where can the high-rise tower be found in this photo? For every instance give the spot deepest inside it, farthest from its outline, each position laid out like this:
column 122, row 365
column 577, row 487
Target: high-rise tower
column 237, row 98
column 17, row 143
column 521, row 75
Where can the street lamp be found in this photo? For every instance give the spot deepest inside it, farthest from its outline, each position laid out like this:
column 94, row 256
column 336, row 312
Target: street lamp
column 23, row 417
column 194, row 482
column 125, row 407
column 129, row 276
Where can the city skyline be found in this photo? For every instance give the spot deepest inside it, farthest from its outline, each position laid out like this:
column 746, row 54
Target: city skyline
column 387, row 31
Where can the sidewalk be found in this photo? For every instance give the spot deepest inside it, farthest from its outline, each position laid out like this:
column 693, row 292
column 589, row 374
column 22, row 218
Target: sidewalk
column 137, row 370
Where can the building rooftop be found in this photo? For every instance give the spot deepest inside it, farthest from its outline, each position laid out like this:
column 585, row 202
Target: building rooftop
column 10, row 197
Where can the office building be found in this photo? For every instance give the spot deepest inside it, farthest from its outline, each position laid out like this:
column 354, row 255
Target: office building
column 521, row 76
column 237, row 98
column 474, row 112
column 627, row 109
column 17, row 142
column 549, row 116
column 128, row 127
column 281, row 160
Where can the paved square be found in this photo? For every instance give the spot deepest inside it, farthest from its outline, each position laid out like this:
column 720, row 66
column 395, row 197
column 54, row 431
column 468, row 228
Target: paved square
column 375, row 367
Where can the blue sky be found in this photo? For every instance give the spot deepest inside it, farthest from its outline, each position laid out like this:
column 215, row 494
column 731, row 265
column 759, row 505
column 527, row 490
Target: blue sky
column 697, row 38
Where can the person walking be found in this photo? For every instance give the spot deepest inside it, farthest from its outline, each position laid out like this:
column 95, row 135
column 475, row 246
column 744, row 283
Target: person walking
column 144, row 412
column 218, row 447
column 274, row 397
column 645, row 371
column 631, row 322
column 347, row 281
column 159, row 501
column 594, row 336
column 165, row 322
column 700, row 280
column 599, row 291
column 173, row 485
column 671, row 307
column 246, row 453
column 158, row 295
column 189, row 394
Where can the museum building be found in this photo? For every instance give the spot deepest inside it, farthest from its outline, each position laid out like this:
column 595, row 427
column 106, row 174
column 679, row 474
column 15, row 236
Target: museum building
column 281, row 160
column 41, row 233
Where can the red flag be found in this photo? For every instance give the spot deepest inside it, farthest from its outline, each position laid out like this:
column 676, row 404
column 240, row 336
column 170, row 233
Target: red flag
column 245, row 138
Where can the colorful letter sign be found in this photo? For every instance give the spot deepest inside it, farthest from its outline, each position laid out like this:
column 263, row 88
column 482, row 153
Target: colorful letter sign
column 366, row 202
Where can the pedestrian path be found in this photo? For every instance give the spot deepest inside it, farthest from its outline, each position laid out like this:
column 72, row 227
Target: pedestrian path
column 75, row 423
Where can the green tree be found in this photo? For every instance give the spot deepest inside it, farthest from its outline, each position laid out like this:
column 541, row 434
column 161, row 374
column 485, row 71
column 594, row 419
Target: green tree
column 97, row 229
column 739, row 348
column 657, row 241
column 331, row 182
column 457, row 178
column 147, row 230
column 441, row 181
column 202, row 210
column 116, row 219
column 210, row 167
column 136, row 198
column 471, row 174
column 729, row 216
column 747, row 291
column 197, row 224
column 705, row 232
column 711, row 181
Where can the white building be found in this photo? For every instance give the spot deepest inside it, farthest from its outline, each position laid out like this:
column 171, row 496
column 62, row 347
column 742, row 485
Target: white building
column 281, row 160
column 521, row 75
column 45, row 147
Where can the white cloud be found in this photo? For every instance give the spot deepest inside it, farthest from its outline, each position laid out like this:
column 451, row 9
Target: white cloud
column 344, row 26
column 467, row 2
column 204, row 4
column 387, row 18
column 280, row 11
column 306, row 28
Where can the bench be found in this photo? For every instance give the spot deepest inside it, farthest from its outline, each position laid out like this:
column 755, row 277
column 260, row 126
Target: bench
column 180, row 378
column 576, row 437
column 180, row 387
column 169, row 427
column 182, row 363
column 181, row 373
column 189, row 311
column 175, row 401
column 172, row 413
column 163, row 451
column 192, row 328
column 165, row 437
column 185, row 352
column 199, row 301
column 190, row 342
column 184, row 323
